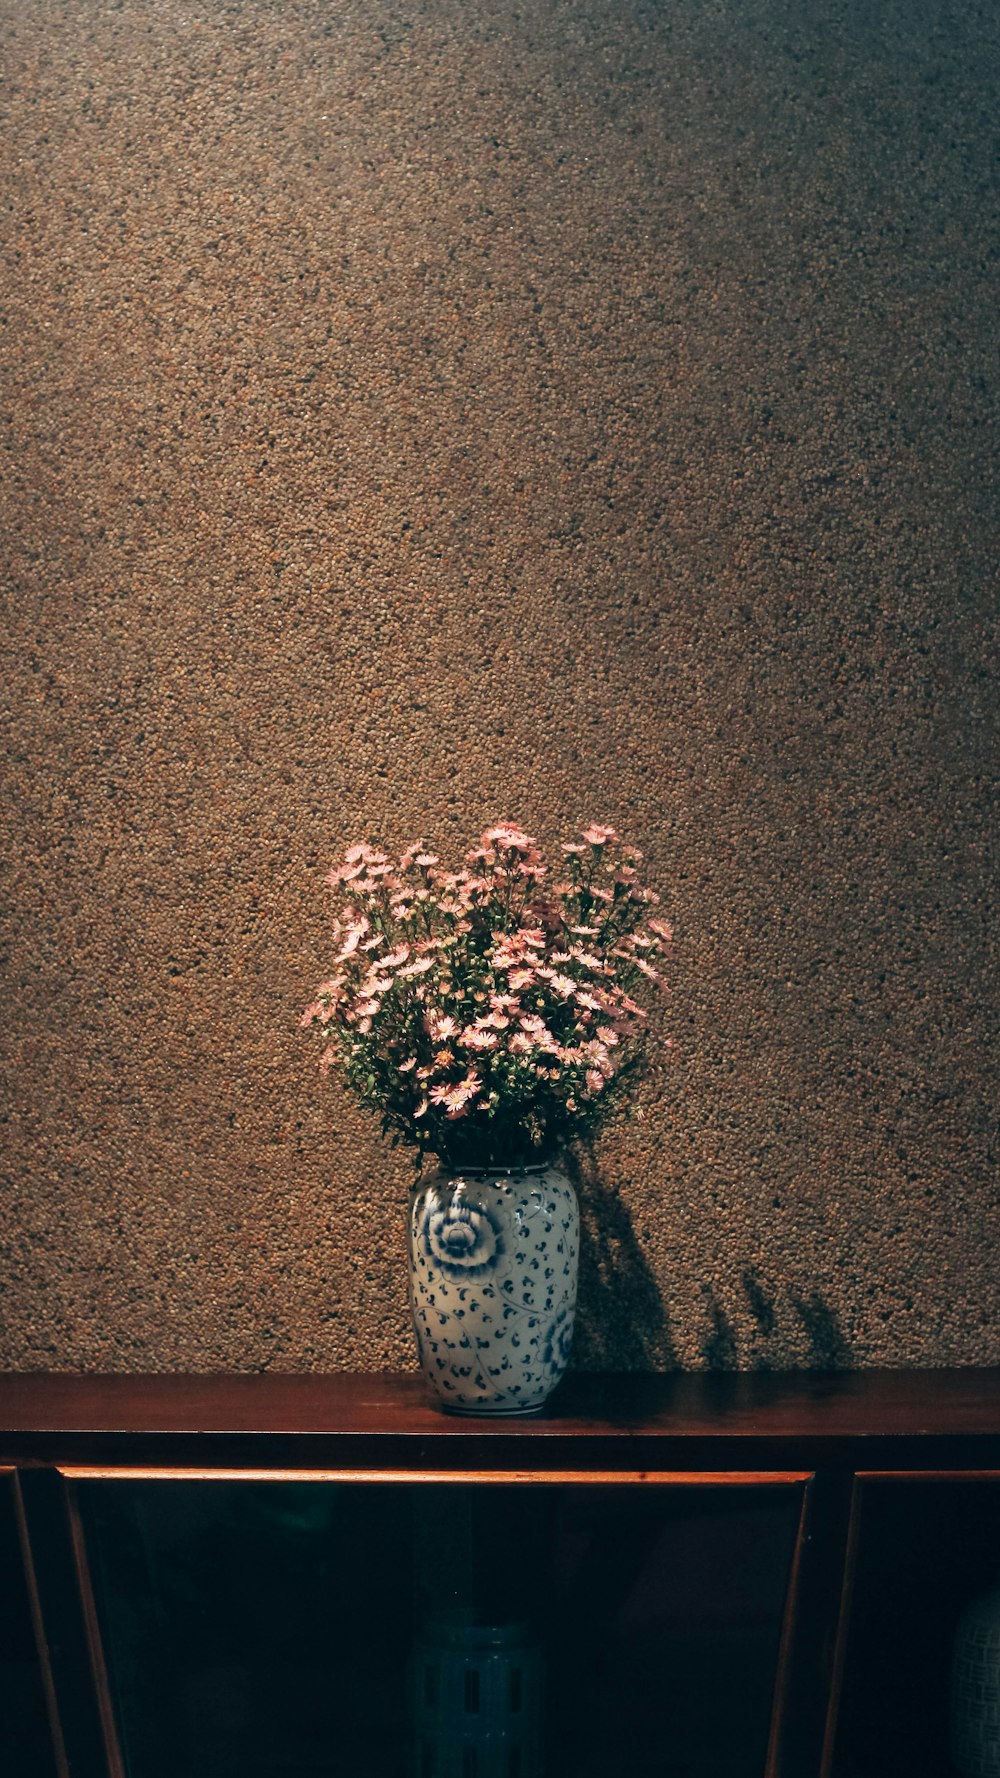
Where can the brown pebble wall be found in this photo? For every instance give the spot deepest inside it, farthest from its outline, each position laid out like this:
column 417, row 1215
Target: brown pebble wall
column 419, row 412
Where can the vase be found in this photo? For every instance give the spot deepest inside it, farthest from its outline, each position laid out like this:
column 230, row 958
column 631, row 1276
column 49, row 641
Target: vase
column 975, row 1689
column 475, row 1699
column 493, row 1265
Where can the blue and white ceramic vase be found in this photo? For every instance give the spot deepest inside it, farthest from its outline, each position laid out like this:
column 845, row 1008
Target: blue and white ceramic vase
column 975, row 1689
column 493, row 1265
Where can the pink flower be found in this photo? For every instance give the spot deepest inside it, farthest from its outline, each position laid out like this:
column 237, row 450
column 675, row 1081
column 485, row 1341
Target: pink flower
column 663, row 929
column 419, row 967
column 475, row 1038
column 602, row 1060
column 331, row 989
column 595, row 1081
column 521, row 978
column 399, row 955
column 312, row 1014
column 598, row 836
column 510, row 837
column 563, row 985
column 455, row 1098
column 351, row 942
column 411, row 1062
column 380, row 985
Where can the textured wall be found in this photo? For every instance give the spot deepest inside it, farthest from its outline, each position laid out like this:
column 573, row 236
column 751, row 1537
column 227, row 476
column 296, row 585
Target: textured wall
column 419, row 412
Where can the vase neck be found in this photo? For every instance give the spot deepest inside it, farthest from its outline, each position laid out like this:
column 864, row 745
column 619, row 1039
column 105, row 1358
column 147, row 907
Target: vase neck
column 527, row 1168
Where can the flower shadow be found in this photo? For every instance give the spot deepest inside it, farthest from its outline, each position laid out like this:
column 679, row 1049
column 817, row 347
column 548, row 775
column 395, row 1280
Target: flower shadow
column 769, row 1345
column 621, row 1322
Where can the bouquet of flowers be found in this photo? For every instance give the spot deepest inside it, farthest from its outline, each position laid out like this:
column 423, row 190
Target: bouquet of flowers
column 487, row 1014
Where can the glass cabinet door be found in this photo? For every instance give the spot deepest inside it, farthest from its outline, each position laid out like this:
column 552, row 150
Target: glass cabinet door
column 919, row 1670
column 306, row 1629
column 25, row 1744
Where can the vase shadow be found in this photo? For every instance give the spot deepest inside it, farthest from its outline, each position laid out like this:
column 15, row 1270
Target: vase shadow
column 621, row 1323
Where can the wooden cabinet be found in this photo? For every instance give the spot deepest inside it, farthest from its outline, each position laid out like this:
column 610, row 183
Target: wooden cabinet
column 728, row 1576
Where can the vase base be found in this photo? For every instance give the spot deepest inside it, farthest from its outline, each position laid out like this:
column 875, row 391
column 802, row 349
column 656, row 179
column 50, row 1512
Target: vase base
column 503, row 1411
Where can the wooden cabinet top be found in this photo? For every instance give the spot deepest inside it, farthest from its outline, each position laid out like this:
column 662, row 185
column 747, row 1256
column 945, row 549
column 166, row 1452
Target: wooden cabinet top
column 870, row 1419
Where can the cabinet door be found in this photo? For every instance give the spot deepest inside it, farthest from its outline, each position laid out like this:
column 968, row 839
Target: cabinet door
column 25, row 1740
column 306, row 1629
column 924, row 1548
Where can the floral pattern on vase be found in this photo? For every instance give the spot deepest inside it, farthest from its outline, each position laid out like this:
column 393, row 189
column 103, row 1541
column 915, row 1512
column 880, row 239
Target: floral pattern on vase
column 493, row 1267
column 558, row 1340
column 463, row 1241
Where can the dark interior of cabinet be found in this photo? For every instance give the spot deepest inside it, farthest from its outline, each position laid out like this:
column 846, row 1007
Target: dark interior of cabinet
column 926, row 1549
column 25, row 1748
column 264, row 1629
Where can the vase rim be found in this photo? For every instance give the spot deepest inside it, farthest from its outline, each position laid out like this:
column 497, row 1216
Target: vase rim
column 517, row 1171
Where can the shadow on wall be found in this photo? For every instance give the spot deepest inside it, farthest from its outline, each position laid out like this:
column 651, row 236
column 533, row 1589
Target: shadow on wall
column 827, row 1348
column 622, row 1323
